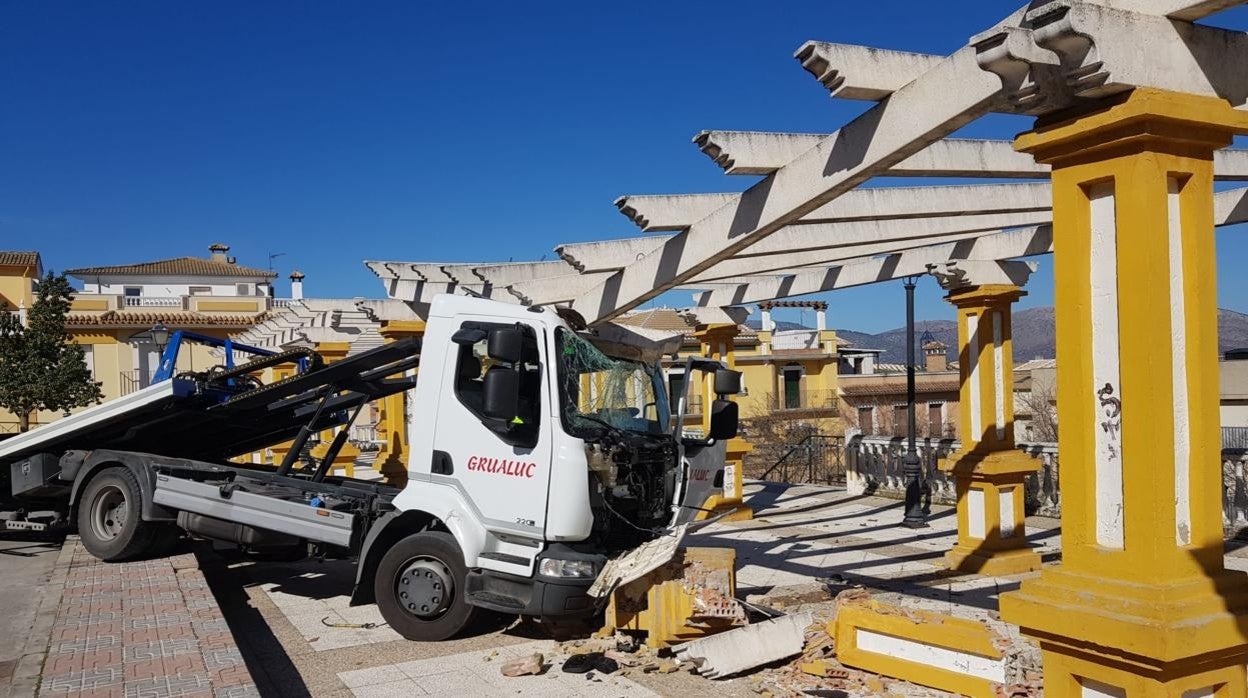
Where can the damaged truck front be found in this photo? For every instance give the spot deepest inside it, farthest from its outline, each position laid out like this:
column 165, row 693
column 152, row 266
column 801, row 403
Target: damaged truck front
column 538, row 454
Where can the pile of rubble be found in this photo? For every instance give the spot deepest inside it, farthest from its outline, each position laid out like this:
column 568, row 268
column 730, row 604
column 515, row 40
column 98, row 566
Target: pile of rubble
column 789, row 654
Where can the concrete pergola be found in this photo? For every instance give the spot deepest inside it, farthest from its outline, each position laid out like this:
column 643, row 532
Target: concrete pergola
column 1135, row 107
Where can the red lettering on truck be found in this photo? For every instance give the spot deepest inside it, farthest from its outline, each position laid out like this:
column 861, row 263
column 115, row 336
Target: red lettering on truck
column 501, row 466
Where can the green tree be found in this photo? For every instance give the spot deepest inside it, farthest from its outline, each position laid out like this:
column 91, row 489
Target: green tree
column 41, row 368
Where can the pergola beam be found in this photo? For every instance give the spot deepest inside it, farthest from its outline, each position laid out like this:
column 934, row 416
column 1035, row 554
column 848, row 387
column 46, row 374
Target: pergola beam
column 873, row 203
column 760, row 153
column 1000, row 246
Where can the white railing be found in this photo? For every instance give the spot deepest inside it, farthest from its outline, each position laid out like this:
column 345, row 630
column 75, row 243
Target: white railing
column 873, row 465
column 365, row 437
column 155, row 301
column 795, row 339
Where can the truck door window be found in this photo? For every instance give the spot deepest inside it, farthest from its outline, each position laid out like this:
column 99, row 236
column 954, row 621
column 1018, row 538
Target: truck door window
column 473, row 362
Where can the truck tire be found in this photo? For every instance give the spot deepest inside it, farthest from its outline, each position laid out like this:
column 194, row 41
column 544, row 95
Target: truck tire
column 419, row 587
column 109, row 520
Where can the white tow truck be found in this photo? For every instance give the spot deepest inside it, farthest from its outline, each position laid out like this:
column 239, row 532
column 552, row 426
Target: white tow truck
column 538, row 451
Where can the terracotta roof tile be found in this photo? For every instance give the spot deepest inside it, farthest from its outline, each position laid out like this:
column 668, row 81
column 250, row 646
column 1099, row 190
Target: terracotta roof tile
column 897, row 387
column 175, row 319
column 178, row 266
column 18, row 258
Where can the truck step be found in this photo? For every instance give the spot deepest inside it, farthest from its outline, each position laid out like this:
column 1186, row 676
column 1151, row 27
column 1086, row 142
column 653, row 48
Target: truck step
column 495, row 601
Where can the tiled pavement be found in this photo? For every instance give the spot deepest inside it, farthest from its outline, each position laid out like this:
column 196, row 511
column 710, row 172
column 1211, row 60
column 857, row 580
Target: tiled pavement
column 148, row 629
column 477, row 674
column 800, row 535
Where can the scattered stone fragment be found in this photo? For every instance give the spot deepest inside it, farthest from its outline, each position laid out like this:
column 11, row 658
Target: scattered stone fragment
column 667, row 666
column 744, row 648
column 531, row 665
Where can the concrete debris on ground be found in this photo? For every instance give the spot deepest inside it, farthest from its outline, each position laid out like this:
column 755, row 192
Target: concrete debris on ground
column 747, row 647
column 531, row 665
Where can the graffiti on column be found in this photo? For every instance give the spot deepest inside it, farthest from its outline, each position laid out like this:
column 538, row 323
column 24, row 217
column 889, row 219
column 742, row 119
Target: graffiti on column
column 1112, row 426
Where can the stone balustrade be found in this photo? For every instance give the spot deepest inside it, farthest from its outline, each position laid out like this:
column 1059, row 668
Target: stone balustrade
column 873, row 465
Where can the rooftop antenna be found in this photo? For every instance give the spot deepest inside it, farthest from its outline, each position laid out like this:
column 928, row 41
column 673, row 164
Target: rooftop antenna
column 273, row 256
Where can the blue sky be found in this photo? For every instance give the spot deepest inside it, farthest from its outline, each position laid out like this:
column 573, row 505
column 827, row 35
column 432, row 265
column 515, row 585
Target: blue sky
column 336, row 132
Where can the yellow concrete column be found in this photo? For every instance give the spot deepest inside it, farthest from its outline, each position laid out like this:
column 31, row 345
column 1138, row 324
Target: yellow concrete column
column 717, row 342
column 392, row 423
column 1141, row 604
column 988, row 470
column 331, row 352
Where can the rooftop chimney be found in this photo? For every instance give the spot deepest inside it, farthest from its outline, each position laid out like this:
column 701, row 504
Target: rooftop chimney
column 296, row 285
column 935, row 356
column 217, row 252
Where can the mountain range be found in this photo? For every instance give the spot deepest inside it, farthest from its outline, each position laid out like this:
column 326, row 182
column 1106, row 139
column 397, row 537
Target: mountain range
column 1034, row 331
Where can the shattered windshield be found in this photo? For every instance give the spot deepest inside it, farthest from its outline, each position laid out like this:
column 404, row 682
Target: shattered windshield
column 597, row 391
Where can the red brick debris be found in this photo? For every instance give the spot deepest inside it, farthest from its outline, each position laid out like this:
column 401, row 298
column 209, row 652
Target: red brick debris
column 148, row 628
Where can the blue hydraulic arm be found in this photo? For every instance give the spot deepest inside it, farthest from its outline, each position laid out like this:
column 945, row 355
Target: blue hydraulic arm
column 169, row 359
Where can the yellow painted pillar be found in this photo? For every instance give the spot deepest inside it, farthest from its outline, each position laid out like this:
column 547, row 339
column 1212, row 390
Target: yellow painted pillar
column 717, row 342
column 392, row 422
column 988, row 470
column 331, row 352
column 1141, row 604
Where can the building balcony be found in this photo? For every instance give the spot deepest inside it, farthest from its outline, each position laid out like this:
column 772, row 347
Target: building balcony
column 104, row 302
column 807, row 400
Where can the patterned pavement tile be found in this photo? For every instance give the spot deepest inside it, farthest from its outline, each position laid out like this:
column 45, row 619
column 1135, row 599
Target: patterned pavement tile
column 148, row 629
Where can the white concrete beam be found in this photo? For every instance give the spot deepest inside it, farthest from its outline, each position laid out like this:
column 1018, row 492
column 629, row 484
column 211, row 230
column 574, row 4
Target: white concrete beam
column 557, row 289
column 873, row 203
column 1186, row 10
column 608, row 255
column 1019, row 243
column 760, row 153
column 511, row 272
column 861, row 72
column 670, row 211
column 824, row 236
column 1230, row 207
column 1105, row 51
column 804, row 261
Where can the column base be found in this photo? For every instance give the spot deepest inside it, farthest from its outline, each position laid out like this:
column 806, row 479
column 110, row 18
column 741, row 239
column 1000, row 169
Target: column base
column 716, row 505
column 993, row 563
column 1129, row 639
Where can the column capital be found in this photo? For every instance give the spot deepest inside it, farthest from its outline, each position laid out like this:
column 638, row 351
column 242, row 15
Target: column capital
column 1140, row 120
column 718, row 331
column 332, row 351
column 968, row 274
column 986, row 295
column 398, row 329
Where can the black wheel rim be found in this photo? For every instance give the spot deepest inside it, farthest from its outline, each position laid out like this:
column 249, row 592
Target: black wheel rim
column 424, row 587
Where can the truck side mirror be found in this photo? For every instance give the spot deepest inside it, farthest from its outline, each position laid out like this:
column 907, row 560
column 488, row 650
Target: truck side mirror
column 727, row 382
column 724, row 419
column 505, row 345
column 501, row 393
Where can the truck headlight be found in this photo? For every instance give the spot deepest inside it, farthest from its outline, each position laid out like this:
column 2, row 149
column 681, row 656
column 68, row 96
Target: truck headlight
column 573, row 569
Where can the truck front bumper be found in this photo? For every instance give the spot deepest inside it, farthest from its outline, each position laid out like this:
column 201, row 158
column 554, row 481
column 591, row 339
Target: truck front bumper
column 538, row 595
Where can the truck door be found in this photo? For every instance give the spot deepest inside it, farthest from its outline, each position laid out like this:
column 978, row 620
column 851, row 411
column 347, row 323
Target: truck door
column 503, row 466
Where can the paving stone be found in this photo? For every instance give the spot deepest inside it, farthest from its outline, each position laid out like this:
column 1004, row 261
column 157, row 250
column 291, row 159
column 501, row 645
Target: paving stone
column 140, row 630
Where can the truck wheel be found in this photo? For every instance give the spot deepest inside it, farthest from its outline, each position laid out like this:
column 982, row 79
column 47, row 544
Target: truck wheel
column 419, row 587
column 109, row 520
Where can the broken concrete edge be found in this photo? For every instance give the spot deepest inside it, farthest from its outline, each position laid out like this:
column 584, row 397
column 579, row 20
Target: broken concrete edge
column 970, row 656
column 637, row 563
column 741, row 649
column 29, row 667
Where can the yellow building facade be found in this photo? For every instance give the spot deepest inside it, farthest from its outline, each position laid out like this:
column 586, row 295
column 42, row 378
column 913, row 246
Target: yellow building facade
column 114, row 313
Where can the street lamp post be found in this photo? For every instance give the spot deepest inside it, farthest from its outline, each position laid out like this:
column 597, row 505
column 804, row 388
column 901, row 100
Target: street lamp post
column 911, row 466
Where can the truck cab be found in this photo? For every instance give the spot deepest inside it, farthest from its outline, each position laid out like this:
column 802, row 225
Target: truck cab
column 537, row 453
